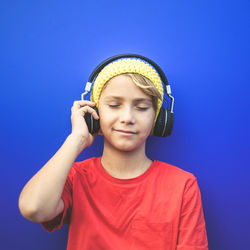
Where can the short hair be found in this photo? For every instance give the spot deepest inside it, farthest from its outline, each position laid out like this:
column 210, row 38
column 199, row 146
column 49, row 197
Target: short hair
column 145, row 85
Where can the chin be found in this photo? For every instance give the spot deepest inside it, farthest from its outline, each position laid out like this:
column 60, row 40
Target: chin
column 127, row 147
column 124, row 145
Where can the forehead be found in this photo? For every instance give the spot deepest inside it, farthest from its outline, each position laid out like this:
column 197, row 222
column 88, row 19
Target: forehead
column 123, row 87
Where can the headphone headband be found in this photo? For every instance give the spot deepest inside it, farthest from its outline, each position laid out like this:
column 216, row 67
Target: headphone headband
column 113, row 58
column 163, row 77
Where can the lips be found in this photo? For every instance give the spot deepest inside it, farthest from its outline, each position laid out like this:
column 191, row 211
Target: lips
column 125, row 131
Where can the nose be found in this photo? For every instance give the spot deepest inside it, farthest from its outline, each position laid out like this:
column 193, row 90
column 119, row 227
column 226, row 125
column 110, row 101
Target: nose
column 127, row 116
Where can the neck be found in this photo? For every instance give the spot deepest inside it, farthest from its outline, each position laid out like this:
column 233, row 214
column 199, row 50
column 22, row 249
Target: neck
column 124, row 164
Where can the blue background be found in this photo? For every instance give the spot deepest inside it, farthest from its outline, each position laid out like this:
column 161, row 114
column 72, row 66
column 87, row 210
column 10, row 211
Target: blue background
column 49, row 49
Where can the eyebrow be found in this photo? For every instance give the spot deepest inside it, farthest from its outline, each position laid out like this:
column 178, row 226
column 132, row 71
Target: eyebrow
column 119, row 98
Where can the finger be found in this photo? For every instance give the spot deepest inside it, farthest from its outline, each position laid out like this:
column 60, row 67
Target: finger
column 81, row 103
column 87, row 109
column 78, row 104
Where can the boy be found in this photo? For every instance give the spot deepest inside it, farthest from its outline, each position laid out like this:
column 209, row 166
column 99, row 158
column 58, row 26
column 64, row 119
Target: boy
column 122, row 200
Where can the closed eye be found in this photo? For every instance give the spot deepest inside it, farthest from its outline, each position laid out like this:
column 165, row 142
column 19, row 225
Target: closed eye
column 114, row 105
column 143, row 108
column 138, row 108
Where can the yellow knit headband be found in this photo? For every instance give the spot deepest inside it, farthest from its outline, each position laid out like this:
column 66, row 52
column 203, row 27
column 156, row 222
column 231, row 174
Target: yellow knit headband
column 127, row 66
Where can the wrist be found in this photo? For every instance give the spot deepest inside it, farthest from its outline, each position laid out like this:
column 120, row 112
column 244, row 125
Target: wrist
column 77, row 140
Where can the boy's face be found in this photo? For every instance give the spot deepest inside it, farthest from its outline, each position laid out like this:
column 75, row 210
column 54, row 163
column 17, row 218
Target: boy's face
column 126, row 114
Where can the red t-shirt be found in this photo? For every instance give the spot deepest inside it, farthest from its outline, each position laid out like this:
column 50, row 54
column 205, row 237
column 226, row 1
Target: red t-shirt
column 160, row 209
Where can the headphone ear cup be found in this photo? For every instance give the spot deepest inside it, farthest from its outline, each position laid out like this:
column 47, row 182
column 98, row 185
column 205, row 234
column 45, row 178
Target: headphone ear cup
column 164, row 123
column 170, row 123
column 92, row 124
column 160, row 122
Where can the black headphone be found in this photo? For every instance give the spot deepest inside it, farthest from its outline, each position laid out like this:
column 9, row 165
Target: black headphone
column 165, row 120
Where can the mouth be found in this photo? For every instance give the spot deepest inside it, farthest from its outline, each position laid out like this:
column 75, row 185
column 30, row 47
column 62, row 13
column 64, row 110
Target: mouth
column 125, row 132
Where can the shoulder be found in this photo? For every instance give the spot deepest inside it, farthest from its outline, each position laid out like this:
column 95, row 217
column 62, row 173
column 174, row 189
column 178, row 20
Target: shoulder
column 87, row 163
column 171, row 181
column 173, row 170
column 174, row 174
column 84, row 166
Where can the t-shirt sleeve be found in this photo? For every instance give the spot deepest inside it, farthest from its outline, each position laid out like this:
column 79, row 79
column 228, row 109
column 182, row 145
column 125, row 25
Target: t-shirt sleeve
column 64, row 216
column 192, row 233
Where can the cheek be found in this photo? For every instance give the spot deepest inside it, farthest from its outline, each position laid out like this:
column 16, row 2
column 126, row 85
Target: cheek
column 151, row 118
column 106, row 118
column 151, row 123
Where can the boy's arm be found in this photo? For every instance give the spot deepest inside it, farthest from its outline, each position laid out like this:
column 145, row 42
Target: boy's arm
column 40, row 199
column 192, row 229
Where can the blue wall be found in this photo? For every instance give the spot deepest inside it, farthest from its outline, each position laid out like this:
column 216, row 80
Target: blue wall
column 49, row 49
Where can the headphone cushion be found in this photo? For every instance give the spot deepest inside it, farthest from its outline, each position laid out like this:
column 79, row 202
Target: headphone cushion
column 160, row 122
column 170, row 123
column 164, row 123
column 92, row 124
